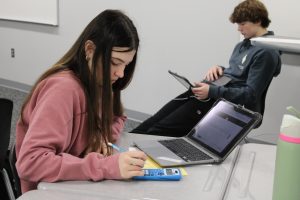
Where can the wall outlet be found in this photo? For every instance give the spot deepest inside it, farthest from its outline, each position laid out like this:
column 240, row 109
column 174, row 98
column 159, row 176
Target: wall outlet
column 12, row 52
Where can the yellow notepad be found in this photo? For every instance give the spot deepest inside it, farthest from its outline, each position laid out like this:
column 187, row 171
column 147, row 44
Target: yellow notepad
column 151, row 164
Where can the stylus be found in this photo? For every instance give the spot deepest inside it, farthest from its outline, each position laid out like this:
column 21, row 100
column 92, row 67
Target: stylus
column 115, row 147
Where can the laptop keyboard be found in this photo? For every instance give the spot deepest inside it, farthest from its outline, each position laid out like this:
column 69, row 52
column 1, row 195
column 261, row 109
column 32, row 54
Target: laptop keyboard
column 185, row 150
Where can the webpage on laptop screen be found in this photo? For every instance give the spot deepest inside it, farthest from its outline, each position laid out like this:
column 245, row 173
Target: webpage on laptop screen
column 220, row 126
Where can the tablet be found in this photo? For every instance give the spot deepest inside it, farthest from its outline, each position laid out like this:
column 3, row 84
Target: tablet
column 184, row 81
column 221, row 81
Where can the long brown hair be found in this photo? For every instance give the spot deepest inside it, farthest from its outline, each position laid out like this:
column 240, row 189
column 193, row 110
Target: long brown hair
column 109, row 29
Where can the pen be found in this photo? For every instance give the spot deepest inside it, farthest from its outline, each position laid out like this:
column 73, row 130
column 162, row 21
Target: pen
column 115, row 147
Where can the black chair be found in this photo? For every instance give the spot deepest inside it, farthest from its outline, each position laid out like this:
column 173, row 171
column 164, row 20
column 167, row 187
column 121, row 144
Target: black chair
column 6, row 107
column 260, row 107
column 13, row 174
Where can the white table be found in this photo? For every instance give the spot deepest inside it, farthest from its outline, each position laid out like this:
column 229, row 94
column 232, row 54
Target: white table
column 55, row 195
column 253, row 174
column 207, row 182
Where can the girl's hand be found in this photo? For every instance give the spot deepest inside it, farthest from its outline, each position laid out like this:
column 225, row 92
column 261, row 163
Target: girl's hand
column 131, row 163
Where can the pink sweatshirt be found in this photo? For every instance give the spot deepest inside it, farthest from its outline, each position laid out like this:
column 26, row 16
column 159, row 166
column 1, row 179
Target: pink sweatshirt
column 54, row 135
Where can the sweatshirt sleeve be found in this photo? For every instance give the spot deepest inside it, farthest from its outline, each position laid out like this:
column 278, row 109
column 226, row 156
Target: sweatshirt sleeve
column 117, row 127
column 48, row 151
column 260, row 74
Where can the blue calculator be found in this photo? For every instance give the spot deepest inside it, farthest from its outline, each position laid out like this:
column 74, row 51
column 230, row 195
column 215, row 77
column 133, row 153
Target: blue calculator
column 164, row 174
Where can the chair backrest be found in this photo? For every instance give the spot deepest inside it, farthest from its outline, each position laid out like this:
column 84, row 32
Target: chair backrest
column 8, row 161
column 14, row 177
column 6, row 107
column 260, row 107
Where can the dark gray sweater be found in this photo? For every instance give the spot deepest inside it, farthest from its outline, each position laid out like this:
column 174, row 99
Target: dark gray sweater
column 252, row 69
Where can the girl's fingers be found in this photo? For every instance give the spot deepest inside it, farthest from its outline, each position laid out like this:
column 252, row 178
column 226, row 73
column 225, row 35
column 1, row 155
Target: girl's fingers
column 137, row 162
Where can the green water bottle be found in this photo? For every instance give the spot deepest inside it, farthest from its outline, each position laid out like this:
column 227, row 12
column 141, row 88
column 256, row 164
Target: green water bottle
column 286, row 184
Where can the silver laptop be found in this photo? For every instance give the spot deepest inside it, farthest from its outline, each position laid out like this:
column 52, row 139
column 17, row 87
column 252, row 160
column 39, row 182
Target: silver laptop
column 210, row 141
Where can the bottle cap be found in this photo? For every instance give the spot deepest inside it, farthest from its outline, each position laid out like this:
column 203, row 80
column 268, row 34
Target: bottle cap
column 290, row 129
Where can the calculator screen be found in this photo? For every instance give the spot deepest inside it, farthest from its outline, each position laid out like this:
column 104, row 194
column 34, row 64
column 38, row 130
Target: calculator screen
column 169, row 171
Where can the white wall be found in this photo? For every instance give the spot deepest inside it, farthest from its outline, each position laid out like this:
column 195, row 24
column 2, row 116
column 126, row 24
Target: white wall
column 185, row 36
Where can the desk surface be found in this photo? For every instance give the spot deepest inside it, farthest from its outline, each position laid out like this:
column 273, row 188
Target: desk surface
column 253, row 174
column 206, row 181
column 54, row 195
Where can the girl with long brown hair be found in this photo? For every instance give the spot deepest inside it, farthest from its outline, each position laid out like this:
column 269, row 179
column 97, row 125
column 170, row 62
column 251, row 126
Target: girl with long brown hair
column 74, row 109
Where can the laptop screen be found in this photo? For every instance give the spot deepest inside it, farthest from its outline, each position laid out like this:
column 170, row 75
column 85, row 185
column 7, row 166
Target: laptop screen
column 222, row 127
